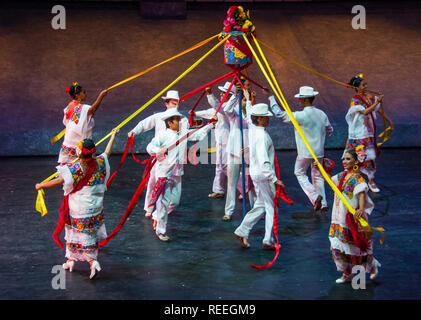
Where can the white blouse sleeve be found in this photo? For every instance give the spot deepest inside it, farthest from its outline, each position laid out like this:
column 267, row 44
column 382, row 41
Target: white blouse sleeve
column 64, row 172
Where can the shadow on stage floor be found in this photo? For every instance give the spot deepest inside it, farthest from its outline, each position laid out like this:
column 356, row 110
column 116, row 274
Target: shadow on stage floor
column 204, row 260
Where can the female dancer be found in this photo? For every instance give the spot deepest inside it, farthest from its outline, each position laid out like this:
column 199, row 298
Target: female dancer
column 79, row 122
column 361, row 119
column 349, row 244
column 84, row 183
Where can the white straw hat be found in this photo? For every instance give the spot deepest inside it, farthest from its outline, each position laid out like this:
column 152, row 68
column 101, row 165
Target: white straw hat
column 261, row 110
column 306, row 92
column 226, row 86
column 171, row 94
column 173, row 112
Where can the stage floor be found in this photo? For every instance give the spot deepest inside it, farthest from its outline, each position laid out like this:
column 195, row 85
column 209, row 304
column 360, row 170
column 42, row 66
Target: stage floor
column 203, row 260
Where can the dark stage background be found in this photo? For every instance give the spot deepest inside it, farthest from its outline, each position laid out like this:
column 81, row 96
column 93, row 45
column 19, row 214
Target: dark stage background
column 105, row 42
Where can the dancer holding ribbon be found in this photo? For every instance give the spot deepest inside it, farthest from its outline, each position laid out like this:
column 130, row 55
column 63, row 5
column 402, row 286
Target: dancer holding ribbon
column 350, row 244
column 234, row 152
column 155, row 121
column 171, row 157
column 263, row 174
column 316, row 127
column 222, row 128
column 84, row 183
column 79, row 122
column 361, row 118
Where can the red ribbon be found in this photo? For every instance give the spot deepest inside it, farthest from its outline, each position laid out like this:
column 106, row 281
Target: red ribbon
column 280, row 193
column 328, row 164
column 192, row 93
column 157, row 190
column 149, row 164
column 359, row 239
column 191, row 116
column 132, row 203
column 64, row 210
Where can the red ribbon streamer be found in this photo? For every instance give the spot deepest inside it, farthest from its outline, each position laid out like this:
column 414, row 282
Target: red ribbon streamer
column 191, row 116
column 64, row 210
column 280, row 193
column 192, row 93
column 132, row 203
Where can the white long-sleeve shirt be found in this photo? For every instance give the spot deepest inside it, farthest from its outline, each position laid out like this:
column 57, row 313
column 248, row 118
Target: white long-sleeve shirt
column 234, row 138
column 313, row 122
column 222, row 126
column 172, row 163
column 155, row 122
column 262, row 155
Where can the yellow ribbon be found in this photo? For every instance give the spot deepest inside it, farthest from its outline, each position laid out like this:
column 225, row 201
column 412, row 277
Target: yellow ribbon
column 386, row 131
column 194, row 65
column 58, row 136
column 276, row 89
column 61, row 134
column 40, row 204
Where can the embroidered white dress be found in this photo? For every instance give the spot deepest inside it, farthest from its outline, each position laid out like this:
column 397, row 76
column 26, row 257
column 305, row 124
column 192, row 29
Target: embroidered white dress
column 344, row 252
column 79, row 126
column 86, row 213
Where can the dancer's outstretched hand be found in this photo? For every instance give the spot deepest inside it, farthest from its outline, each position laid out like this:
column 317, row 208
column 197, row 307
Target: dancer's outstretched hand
column 130, row 134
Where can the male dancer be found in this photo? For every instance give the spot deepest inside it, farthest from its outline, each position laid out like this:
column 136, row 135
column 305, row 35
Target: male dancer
column 263, row 174
column 316, row 127
column 169, row 166
column 222, row 128
column 155, row 121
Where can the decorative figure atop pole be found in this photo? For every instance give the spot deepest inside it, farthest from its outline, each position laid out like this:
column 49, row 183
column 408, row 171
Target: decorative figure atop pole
column 237, row 54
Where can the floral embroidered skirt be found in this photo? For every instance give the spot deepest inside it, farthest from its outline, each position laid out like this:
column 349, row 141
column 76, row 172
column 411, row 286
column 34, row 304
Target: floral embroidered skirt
column 369, row 166
column 82, row 237
column 344, row 252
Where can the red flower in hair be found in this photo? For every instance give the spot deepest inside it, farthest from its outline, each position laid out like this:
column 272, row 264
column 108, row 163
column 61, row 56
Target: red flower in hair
column 68, row 89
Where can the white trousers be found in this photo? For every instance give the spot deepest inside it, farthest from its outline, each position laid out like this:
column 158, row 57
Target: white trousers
column 175, row 198
column 265, row 197
column 220, row 169
column 317, row 187
column 234, row 182
column 164, row 203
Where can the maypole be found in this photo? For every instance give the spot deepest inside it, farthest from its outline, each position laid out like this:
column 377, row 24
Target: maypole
column 238, row 57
